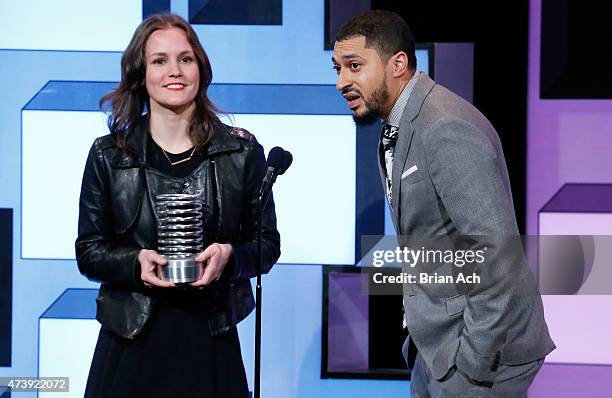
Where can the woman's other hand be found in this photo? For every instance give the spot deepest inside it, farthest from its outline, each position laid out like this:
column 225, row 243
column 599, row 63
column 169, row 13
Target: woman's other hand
column 214, row 259
column 149, row 261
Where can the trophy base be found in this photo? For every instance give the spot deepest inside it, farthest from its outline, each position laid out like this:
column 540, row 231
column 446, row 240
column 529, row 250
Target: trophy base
column 183, row 270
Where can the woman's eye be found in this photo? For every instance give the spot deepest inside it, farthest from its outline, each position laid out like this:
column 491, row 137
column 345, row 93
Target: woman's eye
column 186, row 59
column 159, row 61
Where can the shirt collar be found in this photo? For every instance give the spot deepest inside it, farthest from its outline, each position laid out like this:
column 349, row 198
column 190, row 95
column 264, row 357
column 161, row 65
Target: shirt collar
column 398, row 108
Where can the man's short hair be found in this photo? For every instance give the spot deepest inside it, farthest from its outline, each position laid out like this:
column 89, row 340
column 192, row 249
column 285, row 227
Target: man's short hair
column 384, row 30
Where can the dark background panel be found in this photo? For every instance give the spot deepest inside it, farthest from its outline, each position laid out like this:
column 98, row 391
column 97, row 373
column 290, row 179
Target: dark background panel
column 386, row 333
column 6, row 284
column 337, row 12
column 152, row 7
column 236, row 12
column 576, row 50
column 499, row 31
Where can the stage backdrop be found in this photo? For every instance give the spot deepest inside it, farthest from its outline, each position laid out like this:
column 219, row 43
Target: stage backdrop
column 59, row 57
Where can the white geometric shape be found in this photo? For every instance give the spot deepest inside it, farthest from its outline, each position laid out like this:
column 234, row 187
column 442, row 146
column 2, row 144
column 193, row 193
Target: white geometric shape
column 579, row 328
column 54, row 150
column 315, row 200
column 66, row 348
column 578, row 323
column 71, row 25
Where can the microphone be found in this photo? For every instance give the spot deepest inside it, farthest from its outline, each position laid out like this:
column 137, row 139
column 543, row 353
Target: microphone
column 278, row 162
column 288, row 161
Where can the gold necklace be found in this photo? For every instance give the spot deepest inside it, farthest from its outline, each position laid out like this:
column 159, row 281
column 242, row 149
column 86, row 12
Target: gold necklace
column 178, row 161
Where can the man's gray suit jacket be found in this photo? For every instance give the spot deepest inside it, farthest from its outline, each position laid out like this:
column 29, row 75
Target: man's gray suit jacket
column 449, row 178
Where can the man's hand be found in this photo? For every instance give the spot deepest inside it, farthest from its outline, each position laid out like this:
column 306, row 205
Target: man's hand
column 487, row 384
column 214, row 259
column 149, row 261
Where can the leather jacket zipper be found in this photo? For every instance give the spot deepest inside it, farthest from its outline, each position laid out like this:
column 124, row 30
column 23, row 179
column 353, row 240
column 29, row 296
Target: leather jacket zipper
column 217, row 195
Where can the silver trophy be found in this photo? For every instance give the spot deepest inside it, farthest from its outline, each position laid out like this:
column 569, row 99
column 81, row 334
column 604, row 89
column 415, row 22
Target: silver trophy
column 180, row 236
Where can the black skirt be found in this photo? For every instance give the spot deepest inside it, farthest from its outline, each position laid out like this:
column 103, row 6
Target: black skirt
column 174, row 355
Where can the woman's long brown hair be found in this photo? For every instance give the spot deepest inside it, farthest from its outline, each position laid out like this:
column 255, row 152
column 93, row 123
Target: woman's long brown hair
column 129, row 101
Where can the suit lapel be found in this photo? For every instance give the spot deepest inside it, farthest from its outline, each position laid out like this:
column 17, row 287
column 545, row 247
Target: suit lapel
column 399, row 159
column 406, row 131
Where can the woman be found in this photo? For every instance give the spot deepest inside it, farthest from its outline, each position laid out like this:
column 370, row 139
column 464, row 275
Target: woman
column 158, row 339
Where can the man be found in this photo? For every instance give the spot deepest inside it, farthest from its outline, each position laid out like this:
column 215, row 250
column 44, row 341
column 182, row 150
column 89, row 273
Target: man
column 443, row 170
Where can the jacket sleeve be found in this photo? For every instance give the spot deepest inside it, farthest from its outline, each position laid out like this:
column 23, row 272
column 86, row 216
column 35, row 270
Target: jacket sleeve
column 466, row 172
column 98, row 258
column 245, row 250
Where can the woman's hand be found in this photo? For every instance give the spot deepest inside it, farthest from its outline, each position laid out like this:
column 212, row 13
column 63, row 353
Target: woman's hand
column 149, row 261
column 214, row 258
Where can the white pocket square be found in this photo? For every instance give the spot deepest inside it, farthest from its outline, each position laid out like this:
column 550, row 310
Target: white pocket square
column 409, row 171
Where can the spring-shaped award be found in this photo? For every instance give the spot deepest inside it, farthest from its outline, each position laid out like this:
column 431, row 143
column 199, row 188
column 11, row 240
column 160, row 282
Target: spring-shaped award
column 180, row 236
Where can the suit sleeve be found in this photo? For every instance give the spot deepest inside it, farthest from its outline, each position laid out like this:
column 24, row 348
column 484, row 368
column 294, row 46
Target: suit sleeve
column 466, row 172
column 98, row 258
column 244, row 264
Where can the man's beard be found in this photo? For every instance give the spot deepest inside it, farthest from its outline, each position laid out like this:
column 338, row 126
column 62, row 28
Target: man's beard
column 373, row 106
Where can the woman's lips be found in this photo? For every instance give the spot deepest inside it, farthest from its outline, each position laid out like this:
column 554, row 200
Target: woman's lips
column 175, row 87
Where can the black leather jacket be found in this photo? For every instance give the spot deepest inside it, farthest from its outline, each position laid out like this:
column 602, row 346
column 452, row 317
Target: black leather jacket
column 117, row 219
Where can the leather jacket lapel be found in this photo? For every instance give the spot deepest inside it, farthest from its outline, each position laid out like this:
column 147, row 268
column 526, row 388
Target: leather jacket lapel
column 222, row 143
column 137, row 140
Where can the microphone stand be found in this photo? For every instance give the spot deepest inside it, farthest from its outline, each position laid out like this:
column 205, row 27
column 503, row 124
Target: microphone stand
column 261, row 203
column 278, row 161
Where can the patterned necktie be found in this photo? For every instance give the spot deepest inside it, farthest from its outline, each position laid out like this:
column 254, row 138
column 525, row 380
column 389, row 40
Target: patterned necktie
column 388, row 138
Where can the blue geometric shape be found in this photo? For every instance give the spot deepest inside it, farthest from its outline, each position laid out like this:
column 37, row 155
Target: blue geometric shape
column 58, row 95
column 369, row 195
column 277, row 99
column 236, row 12
column 6, row 285
column 73, row 304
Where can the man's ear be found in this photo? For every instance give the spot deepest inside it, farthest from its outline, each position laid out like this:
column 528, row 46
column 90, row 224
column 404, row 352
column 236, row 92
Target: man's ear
column 399, row 64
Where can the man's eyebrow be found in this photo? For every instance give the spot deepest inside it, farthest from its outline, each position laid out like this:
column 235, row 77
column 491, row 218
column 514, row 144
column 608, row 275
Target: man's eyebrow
column 352, row 56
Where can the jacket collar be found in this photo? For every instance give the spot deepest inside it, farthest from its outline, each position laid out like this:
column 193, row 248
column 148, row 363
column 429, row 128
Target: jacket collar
column 221, row 142
column 422, row 87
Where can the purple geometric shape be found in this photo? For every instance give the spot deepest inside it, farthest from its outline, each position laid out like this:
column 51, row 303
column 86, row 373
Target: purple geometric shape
column 568, row 380
column 454, row 67
column 347, row 323
column 581, row 198
column 339, row 11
